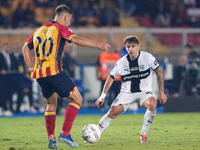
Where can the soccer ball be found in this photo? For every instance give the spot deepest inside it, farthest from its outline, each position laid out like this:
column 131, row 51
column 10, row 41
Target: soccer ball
column 91, row 133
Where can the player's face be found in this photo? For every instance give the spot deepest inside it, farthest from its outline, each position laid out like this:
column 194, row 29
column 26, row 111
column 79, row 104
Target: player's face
column 132, row 49
column 67, row 19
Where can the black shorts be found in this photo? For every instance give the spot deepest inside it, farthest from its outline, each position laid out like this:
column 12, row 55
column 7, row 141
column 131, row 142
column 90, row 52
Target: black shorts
column 59, row 83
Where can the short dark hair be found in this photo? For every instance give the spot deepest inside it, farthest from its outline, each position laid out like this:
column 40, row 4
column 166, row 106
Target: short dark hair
column 131, row 39
column 189, row 45
column 63, row 9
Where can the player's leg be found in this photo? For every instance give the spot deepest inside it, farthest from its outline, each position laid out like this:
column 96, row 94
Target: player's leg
column 119, row 105
column 150, row 104
column 50, row 119
column 50, row 113
column 65, row 87
column 75, row 99
column 71, row 112
column 107, row 118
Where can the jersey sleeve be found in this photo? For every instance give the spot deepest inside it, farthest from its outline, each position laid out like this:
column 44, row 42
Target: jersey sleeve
column 67, row 33
column 153, row 63
column 115, row 72
column 29, row 42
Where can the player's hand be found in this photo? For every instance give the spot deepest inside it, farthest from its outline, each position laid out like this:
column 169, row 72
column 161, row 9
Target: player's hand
column 104, row 46
column 162, row 98
column 99, row 102
column 30, row 70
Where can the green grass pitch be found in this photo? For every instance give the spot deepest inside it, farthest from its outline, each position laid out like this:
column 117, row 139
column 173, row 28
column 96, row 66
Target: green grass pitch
column 172, row 131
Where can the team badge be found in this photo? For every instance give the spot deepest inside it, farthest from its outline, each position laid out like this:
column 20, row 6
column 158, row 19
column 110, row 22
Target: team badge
column 141, row 67
column 116, row 100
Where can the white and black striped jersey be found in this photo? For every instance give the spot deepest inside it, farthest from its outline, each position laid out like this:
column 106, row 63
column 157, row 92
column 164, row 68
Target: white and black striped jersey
column 136, row 75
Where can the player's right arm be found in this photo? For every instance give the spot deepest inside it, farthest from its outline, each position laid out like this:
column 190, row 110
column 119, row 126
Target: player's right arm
column 27, row 54
column 28, row 58
column 113, row 75
column 106, row 87
column 89, row 43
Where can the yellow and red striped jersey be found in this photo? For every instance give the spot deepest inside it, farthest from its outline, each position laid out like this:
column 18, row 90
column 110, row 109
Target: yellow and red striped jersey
column 48, row 43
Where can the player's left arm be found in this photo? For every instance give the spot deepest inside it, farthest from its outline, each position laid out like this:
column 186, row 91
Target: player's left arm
column 89, row 43
column 28, row 58
column 162, row 96
column 81, row 41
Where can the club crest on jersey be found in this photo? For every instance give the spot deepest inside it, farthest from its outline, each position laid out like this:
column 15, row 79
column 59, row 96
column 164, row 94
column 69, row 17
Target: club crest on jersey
column 116, row 100
column 141, row 67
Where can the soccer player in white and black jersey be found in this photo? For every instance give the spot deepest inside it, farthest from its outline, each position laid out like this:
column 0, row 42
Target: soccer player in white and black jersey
column 135, row 70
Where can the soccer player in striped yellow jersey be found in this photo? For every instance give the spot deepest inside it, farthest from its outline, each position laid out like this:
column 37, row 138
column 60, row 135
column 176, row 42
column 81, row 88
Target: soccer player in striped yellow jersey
column 48, row 43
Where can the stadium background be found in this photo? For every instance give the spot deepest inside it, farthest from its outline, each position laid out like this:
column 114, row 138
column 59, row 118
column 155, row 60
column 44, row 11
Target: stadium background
column 165, row 38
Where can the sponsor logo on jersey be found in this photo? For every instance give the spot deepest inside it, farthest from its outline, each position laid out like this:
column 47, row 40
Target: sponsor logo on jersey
column 136, row 75
column 149, row 92
column 125, row 69
column 141, row 67
column 134, row 68
column 155, row 62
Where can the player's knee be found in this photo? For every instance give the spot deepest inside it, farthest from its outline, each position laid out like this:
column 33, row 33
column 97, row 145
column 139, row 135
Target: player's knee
column 152, row 105
column 49, row 102
column 51, row 105
column 78, row 99
column 113, row 113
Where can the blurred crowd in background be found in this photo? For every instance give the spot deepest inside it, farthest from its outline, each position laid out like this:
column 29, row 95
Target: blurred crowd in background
column 186, row 75
column 14, row 77
column 154, row 13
